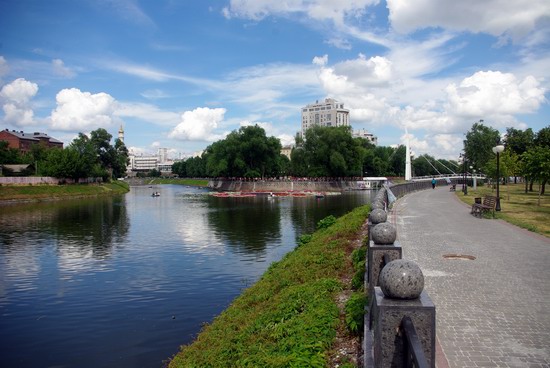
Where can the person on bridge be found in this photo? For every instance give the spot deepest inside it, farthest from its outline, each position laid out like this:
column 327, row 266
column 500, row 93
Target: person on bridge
column 433, row 183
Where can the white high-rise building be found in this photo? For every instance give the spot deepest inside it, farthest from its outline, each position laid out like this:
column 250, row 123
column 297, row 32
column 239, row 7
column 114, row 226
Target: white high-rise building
column 363, row 133
column 163, row 155
column 329, row 113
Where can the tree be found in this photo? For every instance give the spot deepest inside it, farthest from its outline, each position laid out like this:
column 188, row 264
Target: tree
column 397, row 161
column 479, row 144
column 421, row 165
column 332, row 151
column 8, row 155
column 536, row 164
column 121, row 159
column 247, row 152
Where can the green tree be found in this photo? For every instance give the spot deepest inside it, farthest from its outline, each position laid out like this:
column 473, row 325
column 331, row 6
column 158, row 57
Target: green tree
column 121, row 159
column 9, row 155
column 536, row 164
column 479, row 144
column 332, row 151
column 247, row 152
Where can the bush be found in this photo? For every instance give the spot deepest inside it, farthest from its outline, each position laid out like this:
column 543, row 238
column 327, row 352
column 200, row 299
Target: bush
column 304, row 239
column 326, row 222
column 355, row 312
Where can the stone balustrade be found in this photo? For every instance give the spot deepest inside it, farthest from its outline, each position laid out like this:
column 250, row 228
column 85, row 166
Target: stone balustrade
column 396, row 294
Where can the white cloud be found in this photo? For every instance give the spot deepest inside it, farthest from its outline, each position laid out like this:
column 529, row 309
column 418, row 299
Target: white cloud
column 496, row 17
column 154, row 94
column 335, row 10
column 198, row 125
column 146, row 112
column 77, row 110
column 60, row 69
column 374, row 71
column 17, row 96
column 494, row 93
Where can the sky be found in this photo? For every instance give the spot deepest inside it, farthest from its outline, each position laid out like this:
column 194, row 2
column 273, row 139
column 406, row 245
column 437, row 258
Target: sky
column 181, row 74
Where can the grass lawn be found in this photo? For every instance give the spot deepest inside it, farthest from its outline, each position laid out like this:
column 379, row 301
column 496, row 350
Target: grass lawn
column 44, row 192
column 517, row 207
column 290, row 317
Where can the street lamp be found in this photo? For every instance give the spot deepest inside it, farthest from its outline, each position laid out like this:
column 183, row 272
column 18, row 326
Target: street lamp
column 497, row 150
column 464, row 184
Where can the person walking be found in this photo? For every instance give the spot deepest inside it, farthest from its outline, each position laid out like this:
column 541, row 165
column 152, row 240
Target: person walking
column 433, row 183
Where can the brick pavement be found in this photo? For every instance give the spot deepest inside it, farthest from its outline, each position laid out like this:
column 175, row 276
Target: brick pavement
column 493, row 311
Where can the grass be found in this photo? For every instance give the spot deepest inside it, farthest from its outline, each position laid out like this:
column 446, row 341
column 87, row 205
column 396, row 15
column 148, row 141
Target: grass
column 517, row 207
column 45, row 192
column 190, row 182
column 288, row 318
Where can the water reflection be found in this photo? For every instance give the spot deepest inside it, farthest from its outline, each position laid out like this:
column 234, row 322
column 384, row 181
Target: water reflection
column 123, row 281
column 245, row 224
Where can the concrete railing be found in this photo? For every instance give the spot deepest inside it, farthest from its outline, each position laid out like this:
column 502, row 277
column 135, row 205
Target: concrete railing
column 400, row 317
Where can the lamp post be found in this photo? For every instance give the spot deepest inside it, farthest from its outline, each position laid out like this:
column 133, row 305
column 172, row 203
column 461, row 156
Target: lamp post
column 461, row 160
column 475, row 180
column 464, row 183
column 497, row 150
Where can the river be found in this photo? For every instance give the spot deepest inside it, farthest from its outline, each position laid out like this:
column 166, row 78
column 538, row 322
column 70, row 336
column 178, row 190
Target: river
column 124, row 281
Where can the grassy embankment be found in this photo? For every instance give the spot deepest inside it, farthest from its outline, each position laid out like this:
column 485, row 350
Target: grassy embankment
column 518, row 208
column 291, row 316
column 191, row 182
column 48, row 192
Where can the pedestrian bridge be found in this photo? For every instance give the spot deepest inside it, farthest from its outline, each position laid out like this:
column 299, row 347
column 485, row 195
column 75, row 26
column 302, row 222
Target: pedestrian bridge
column 469, row 176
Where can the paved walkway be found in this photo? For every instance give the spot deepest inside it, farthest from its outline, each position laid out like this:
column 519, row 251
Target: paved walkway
column 493, row 311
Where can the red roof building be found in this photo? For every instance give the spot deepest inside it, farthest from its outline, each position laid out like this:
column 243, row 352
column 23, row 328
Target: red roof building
column 23, row 141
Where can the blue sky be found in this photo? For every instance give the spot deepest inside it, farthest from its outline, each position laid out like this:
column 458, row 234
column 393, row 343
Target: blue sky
column 182, row 74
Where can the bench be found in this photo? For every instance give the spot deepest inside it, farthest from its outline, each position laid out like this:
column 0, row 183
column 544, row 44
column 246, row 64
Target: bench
column 488, row 204
column 452, row 188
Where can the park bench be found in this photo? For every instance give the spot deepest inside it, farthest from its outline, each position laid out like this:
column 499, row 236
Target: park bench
column 452, row 188
column 488, row 204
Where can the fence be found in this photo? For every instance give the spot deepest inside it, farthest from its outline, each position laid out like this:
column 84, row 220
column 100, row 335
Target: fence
column 400, row 319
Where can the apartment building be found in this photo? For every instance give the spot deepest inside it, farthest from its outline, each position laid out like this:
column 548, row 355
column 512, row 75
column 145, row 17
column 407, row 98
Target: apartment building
column 329, row 113
column 363, row 133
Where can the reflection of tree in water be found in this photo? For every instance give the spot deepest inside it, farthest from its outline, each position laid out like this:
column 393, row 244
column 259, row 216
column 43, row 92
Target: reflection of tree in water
column 92, row 225
column 87, row 226
column 305, row 213
column 246, row 224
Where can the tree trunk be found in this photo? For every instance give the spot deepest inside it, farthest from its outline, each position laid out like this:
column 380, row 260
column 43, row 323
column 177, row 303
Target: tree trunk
column 543, row 186
column 531, row 182
column 526, row 185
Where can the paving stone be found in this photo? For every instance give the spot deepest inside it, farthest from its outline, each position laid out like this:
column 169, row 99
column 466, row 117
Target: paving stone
column 493, row 310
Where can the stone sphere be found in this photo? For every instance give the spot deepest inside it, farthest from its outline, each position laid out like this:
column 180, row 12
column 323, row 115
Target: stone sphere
column 401, row 279
column 377, row 216
column 377, row 205
column 383, row 233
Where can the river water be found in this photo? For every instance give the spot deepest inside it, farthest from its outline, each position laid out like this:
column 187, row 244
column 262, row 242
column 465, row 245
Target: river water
column 124, row 281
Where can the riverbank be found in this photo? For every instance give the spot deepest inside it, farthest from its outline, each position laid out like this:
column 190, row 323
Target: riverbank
column 283, row 185
column 295, row 314
column 37, row 193
column 135, row 181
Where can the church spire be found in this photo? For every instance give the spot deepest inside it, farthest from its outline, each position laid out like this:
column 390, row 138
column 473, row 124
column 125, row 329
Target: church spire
column 121, row 134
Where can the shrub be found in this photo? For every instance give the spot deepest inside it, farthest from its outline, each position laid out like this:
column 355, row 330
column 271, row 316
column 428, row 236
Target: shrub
column 326, row 222
column 304, row 239
column 355, row 312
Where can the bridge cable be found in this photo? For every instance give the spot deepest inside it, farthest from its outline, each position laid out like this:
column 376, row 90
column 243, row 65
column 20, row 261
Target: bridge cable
column 446, row 167
column 432, row 165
